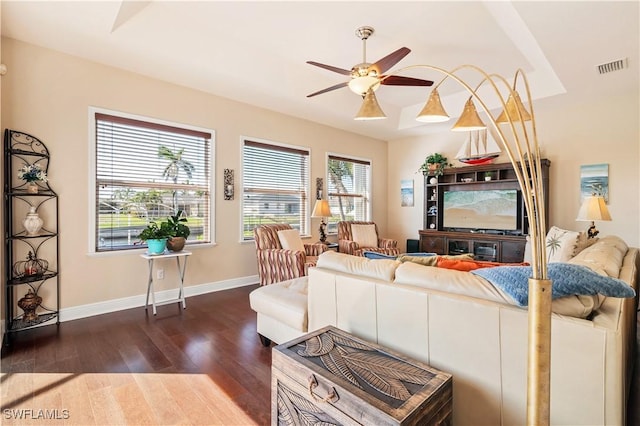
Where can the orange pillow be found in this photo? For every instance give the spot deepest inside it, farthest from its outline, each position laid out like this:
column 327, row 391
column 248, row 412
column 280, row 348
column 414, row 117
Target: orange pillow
column 470, row 265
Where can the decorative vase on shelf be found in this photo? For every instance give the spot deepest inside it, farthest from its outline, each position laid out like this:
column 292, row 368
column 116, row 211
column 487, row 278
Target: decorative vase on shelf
column 433, row 180
column 32, row 223
column 29, row 303
column 32, row 188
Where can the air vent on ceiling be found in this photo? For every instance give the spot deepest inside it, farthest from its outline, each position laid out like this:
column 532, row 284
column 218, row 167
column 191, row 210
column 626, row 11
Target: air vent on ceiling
column 612, row 66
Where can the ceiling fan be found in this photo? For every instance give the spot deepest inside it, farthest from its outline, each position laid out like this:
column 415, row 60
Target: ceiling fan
column 366, row 75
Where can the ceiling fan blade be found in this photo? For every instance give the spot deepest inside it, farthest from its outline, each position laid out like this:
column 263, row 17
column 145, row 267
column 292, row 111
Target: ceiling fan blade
column 397, row 80
column 330, row 68
column 328, row 89
column 390, row 60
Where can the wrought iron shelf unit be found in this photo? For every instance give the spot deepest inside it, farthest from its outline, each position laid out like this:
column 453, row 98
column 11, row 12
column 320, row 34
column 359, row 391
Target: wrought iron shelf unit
column 40, row 272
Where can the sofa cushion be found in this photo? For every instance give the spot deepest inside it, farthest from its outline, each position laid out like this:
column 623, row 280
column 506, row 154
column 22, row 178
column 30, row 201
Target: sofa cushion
column 290, row 239
column 365, row 235
column 606, row 254
column 449, row 281
column 561, row 244
column 568, row 279
column 383, row 269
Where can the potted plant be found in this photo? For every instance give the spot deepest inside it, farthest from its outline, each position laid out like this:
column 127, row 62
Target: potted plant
column 32, row 173
column 156, row 237
column 177, row 231
column 488, row 176
column 434, row 164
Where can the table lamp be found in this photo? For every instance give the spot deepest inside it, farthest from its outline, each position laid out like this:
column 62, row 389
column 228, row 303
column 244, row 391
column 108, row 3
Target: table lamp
column 593, row 208
column 322, row 210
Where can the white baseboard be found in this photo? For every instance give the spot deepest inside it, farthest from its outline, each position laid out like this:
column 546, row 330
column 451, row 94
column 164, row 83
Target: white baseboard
column 84, row 311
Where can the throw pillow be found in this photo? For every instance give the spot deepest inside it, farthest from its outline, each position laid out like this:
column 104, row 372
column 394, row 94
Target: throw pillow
column 365, row 235
column 290, row 240
column 376, row 255
column 583, row 242
column 561, row 244
column 431, row 259
column 568, row 279
column 467, row 265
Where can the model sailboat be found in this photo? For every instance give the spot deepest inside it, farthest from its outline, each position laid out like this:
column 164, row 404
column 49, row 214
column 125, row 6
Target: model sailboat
column 478, row 148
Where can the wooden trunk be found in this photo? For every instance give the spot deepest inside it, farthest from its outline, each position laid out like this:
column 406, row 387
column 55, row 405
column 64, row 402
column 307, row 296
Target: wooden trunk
column 333, row 377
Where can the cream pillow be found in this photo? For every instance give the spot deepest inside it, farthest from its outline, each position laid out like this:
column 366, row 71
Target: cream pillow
column 290, row 240
column 561, row 244
column 365, row 235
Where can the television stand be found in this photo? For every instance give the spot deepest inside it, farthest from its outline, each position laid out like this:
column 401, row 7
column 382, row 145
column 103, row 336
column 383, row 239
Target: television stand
column 486, row 244
column 488, row 247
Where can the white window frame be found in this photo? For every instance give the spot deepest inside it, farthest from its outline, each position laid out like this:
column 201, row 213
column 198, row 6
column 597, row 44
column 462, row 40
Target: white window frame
column 368, row 194
column 306, row 220
column 92, row 195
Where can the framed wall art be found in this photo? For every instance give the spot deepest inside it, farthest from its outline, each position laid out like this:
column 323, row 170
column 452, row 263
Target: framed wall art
column 594, row 179
column 406, row 193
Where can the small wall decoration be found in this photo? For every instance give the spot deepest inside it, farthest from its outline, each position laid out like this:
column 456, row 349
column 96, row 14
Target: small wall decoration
column 594, row 179
column 406, row 193
column 228, row 184
column 319, row 185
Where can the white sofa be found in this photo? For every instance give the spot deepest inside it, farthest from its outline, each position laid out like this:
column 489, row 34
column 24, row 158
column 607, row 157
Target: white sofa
column 459, row 323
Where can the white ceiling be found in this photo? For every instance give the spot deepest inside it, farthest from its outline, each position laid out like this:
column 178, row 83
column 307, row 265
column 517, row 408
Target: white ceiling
column 255, row 52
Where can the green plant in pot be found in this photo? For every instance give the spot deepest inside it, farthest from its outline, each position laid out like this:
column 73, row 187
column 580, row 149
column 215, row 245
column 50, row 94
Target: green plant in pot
column 156, row 237
column 177, row 231
column 434, row 164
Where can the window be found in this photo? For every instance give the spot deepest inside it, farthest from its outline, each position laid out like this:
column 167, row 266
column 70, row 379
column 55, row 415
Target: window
column 275, row 186
column 146, row 171
column 349, row 187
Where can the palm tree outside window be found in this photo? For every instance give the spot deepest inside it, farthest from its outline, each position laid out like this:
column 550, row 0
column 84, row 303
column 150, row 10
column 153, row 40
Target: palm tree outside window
column 349, row 189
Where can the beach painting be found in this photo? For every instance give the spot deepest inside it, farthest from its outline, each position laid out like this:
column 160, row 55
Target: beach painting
column 406, row 193
column 594, row 179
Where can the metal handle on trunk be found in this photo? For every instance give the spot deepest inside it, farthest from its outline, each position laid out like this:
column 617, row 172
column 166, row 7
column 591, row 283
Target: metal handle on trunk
column 331, row 396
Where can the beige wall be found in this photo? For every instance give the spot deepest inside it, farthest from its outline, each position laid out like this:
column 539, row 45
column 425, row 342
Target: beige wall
column 47, row 94
column 591, row 131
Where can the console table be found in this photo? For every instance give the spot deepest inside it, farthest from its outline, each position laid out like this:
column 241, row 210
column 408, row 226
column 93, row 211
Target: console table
column 182, row 266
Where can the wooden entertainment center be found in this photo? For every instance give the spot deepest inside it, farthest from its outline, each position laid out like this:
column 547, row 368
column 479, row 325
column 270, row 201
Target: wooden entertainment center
column 485, row 244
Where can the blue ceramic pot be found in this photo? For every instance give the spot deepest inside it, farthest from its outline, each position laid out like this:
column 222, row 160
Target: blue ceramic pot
column 157, row 246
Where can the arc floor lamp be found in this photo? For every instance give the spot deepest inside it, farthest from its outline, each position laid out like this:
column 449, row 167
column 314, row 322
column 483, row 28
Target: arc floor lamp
column 515, row 130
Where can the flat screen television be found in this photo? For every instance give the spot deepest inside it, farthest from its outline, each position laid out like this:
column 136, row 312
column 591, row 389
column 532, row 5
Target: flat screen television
column 494, row 209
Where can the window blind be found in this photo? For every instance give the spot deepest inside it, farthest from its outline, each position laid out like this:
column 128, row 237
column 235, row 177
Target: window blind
column 146, row 172
column 348, row 187
column 275, row 186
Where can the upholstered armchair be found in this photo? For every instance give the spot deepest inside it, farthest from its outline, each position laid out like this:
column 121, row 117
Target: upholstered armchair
column 357, row 237
column 281, row 254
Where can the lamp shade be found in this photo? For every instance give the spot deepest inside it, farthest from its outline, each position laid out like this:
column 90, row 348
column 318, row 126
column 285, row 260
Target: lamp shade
column 469, row 120
column 514, row 103
column 370, row 109
column 433, row 111
column 321, row 209
column 593, row 208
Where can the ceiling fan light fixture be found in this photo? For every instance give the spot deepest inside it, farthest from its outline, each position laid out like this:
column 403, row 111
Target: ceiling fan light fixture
column 433, row 111
column 514, row 103
column 370, row 109
column 361, row 85
column 469, row 120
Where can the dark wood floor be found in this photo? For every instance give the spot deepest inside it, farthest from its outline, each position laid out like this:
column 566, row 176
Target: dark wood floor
column 214, row 338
